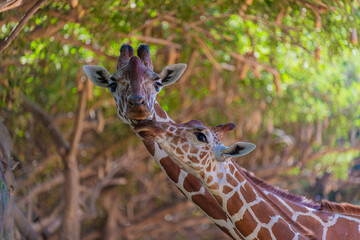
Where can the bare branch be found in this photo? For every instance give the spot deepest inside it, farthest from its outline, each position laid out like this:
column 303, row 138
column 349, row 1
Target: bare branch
column 4, row 44
column 207, row 52
column 10, row 4
column 71, row 224
column 151, row 40
column 24, row 226
column 55, row 132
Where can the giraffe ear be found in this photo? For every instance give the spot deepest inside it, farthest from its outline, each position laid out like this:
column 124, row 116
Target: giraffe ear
column 172, row 73
column 238, row 149
column 98, row 75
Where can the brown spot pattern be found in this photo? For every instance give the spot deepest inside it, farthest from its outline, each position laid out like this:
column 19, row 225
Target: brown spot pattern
column 264, row 233
column 178, row 150
column 150, row 146
column 193, row 150
column 263, row 212
column 209, row 180
column 171, row 169
column 192, row 184
column 186, row 147
column 227, row 189
column 225, row 230
column 248, row 193
column 234, row 204
column 209, row 205
column 215, row 186
column 247, row 224
column 232, row 169
column 194, row 159
column 220, row 175
column 238, row 177
column 231, row 180
column 159, row 111
column 175, row 140
column 282, row 231
column 312, row 224
column 344, row 229
column 218, row 199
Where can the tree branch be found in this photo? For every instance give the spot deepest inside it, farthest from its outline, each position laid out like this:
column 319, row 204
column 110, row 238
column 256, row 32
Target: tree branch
column 71, row 224
column 62, row 145
column 151, row 40
column 4, row 44
column 24, row 226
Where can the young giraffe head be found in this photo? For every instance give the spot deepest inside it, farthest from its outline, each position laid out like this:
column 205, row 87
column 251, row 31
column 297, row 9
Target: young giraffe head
column 134, row 85
column 196, row 148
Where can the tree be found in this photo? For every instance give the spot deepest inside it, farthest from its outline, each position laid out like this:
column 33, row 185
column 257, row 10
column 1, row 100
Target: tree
column 285, row 72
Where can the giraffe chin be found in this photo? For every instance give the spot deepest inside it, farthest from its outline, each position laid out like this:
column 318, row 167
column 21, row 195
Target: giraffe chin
column 139, row 114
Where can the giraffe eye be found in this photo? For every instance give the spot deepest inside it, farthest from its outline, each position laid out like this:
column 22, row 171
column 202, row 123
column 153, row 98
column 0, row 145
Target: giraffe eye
column 157, row 86
column 201, row 137
column 112, row 86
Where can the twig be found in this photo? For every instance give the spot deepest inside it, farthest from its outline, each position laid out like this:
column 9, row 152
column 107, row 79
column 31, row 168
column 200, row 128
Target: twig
column 151, row 40
column 24, row 225
column 4, row 44
column 207, row 53
column 7, row 5
column 62, row 145
column 268, row 69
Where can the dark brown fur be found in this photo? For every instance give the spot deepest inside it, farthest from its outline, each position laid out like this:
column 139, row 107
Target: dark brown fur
column 344, row 208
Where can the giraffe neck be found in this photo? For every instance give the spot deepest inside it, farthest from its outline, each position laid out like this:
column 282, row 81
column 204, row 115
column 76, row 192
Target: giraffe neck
column 188, row 184
column 248, row 199
column 325, row 223
column 251, row 211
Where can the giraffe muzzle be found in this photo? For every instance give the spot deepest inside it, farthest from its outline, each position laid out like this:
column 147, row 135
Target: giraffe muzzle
column 148, row 129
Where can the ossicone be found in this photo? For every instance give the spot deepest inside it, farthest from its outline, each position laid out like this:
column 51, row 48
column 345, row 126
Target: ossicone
column 126, row 52
column 143, row 53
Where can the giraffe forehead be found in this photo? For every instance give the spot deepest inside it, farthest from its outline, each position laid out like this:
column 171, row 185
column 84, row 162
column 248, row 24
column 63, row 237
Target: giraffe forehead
column 135, row 72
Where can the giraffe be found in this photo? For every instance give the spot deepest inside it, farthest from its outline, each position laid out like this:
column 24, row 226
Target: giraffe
column 257, row 209
column 134, row 87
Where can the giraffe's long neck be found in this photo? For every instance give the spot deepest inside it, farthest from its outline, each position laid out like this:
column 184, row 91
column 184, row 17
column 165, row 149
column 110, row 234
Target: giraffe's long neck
column 325, row 225
column 250, row 210
column 261, row 211
column 188, row 184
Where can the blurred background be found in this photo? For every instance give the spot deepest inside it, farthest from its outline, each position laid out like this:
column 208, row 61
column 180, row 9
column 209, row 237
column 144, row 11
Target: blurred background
column 287, row 73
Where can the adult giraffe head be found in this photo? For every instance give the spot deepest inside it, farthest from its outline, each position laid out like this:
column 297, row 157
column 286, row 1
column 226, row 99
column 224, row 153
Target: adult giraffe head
column 193, row 146
column 134, row 85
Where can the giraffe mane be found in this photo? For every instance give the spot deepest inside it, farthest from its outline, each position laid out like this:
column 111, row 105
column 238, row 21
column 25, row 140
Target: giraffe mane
column 280, row 192
column 344, row 208
column 258, row 183
column 323, row 206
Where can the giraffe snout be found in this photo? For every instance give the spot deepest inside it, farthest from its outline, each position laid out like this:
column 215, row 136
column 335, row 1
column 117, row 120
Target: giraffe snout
column 136, row 100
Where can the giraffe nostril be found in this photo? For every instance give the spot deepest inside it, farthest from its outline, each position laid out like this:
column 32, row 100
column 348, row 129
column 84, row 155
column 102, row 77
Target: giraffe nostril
column 131, row 102
column 136, row 100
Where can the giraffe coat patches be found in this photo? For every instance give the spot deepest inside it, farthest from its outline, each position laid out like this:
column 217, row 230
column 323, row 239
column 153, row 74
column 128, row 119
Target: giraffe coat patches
column 227, row 189
column 172, row 170
column 247, row 224
column 281, row 232
column 191, row 185
column 234, row 204
column 206, row 202
column 159, row 111
column 262, row 212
